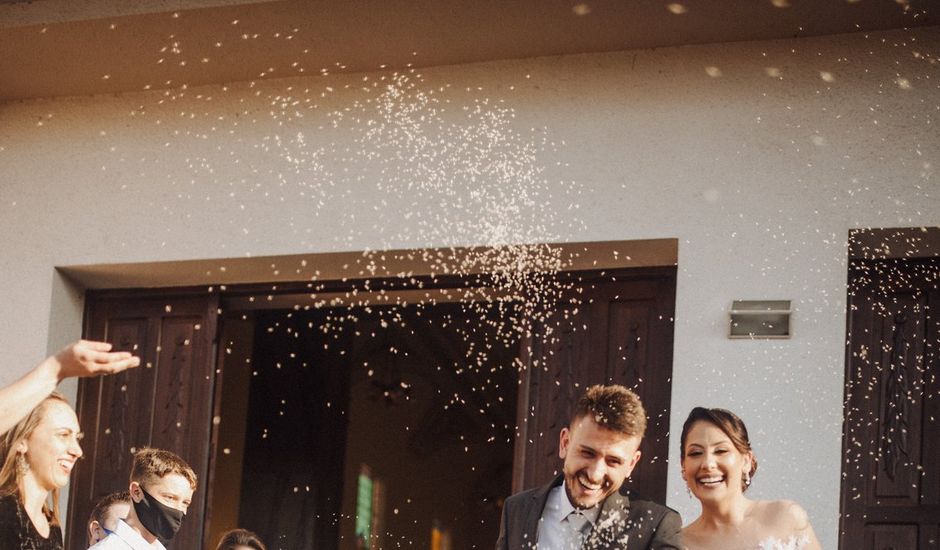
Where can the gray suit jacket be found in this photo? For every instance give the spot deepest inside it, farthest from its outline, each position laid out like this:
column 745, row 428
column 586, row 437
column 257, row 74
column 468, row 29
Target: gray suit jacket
column 626, row 522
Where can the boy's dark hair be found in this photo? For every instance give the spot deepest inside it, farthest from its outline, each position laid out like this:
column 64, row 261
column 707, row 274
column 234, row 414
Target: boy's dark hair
column 240, row 537
column 97, row 513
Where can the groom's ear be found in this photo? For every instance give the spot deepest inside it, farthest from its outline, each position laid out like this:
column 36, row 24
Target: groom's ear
column 564, row 438
column 634, row 461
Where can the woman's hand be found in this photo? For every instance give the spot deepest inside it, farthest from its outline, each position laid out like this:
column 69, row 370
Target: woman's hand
column 89, row 358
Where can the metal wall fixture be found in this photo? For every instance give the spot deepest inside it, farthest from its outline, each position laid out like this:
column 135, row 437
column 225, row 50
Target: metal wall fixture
column 760, row 319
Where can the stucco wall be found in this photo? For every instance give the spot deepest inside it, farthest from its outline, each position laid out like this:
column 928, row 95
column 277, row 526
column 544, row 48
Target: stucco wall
column 758, row 157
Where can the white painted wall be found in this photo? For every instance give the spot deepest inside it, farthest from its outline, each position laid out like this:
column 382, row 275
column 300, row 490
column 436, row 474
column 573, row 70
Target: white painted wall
column 759, row 176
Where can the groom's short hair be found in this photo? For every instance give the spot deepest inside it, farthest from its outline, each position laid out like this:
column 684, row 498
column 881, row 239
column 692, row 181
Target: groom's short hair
column 614, row 407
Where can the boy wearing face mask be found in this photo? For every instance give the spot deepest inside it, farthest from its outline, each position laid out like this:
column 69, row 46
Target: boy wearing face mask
column 161, row 490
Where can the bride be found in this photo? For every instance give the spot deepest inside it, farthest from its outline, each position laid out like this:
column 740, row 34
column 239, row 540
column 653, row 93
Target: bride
column 717, row 466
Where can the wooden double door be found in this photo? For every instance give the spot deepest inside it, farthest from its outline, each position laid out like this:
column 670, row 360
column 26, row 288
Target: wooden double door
column 611, row 327
column 891, row 447
column 164, row 403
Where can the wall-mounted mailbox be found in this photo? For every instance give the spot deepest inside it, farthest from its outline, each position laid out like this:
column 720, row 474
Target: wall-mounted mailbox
column 760, row 319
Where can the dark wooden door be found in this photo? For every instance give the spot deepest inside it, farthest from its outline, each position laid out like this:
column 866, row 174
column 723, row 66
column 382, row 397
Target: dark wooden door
column 619, row 330
column 165, row 403
column 891, row 446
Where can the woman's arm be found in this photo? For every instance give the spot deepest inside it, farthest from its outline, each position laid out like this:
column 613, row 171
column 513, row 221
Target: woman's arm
column 82, row 358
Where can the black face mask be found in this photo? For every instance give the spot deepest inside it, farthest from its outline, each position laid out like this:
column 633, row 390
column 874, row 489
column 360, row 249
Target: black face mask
column 159, row 519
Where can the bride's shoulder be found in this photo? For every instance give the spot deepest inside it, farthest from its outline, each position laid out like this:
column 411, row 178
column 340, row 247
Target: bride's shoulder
column 787, row 527
column 784, row 514
column 693, row 531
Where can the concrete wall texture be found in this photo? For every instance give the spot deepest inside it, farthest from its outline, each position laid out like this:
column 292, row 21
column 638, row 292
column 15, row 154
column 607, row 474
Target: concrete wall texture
column 759, row 157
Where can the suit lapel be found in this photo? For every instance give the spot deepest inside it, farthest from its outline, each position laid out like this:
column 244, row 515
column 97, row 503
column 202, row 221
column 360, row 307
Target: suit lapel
column 611, row 526
column 536, row 505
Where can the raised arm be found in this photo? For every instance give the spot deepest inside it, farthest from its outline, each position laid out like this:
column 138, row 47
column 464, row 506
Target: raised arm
column 82, row 358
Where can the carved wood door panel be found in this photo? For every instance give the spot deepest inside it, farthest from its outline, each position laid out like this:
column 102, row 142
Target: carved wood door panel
column 165, row 403
column 620, row 332
column 891, row 445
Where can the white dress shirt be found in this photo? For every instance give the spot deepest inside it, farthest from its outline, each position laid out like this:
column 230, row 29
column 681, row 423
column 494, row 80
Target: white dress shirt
column 124, row 537
column 560, row 527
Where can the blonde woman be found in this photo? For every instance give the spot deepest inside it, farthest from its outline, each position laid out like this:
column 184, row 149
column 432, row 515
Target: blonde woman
column 718, row 466
column 38, row 455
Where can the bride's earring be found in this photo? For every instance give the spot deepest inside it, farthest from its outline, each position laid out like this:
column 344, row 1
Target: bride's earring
column 747, row 479
column 688, row 489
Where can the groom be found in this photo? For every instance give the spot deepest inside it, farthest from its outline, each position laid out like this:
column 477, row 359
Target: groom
column 586, row 507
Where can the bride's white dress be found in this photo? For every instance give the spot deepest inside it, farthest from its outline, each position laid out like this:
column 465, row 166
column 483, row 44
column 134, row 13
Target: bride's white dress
column 792, row 543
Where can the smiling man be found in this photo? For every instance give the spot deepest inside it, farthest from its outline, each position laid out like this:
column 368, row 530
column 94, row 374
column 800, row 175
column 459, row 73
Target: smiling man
column 587, row 506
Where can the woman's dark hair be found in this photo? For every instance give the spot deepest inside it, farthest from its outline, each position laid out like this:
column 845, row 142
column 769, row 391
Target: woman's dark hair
column 240, row 537
column 727, row 422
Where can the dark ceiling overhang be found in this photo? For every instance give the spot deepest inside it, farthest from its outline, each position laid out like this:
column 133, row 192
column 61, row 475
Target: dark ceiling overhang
column 53, row 48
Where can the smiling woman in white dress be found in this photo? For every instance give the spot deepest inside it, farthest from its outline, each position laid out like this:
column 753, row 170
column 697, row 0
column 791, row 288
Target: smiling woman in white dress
column 717, row 466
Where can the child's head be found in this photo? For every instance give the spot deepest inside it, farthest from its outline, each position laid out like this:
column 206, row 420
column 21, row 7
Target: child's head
column 106, row 514
column 156, row 468
column 162, row 487
column 240, row 539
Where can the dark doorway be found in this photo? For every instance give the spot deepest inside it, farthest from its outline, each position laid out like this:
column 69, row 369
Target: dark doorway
column 891, row 457
column 244, row 381
column 375, row 428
